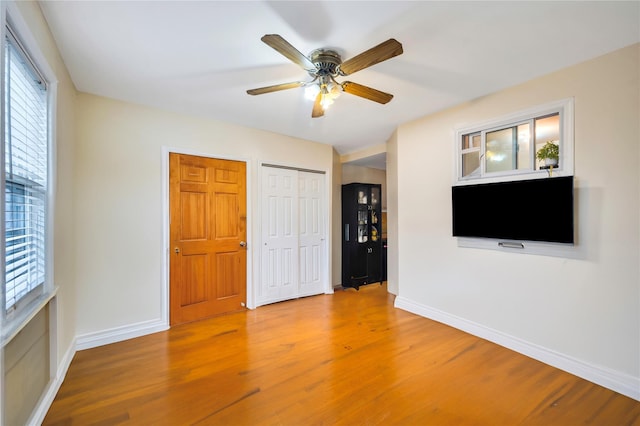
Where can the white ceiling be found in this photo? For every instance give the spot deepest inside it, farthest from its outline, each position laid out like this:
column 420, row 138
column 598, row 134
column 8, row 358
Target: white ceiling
column 200, row 57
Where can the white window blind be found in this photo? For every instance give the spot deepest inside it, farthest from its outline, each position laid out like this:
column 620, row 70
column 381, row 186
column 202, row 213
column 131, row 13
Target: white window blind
column 26, row 173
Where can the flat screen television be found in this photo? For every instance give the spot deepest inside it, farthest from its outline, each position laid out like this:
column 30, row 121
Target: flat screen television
column 531, row 210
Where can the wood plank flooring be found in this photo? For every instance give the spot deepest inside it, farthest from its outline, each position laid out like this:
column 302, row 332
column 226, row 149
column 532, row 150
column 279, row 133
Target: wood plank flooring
column 343, row 359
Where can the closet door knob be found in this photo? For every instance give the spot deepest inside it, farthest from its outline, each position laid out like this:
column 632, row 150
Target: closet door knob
column 243, row 244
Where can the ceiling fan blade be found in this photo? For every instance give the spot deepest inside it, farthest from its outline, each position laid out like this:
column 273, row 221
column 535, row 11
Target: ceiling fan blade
column 318, row 111
column 275, row 88
column 286, row 49
column 377, row 54
column 366, row 92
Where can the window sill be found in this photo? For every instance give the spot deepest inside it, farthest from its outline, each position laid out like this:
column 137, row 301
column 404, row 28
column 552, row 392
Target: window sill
column 511, row 177
column 15, row 325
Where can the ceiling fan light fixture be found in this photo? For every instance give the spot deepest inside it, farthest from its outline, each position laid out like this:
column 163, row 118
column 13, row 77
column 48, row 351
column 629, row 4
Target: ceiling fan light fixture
column 330, row 90
column 327, row 87
column 326, row 101
column 311, row 91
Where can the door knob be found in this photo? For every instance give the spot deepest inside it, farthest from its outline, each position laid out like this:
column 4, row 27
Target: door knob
column 177, row 250
column 243, row 244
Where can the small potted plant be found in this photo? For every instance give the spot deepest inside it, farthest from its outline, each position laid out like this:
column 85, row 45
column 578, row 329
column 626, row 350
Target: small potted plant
column 549, row 153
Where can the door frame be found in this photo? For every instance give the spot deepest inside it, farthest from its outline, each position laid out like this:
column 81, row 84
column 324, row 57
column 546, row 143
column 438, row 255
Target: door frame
column 166, row 225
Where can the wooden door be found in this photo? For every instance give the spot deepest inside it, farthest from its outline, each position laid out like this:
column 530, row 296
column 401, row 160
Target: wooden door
column 207, row 199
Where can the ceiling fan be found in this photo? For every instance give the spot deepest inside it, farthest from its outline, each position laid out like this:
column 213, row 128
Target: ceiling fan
column 324, row 65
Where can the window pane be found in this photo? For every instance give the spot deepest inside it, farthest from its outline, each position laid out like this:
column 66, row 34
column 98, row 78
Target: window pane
column 24, row 240
column 508, row 149
column 25, row 174
column 471, row 141
column 500, row 148
column 471, row 163
column 524, row 147
column 465, row 141
column 547, row 129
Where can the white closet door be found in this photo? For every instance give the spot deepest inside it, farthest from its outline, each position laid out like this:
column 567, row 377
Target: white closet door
column 311, row 233
column 279, row 235
column 293, row 242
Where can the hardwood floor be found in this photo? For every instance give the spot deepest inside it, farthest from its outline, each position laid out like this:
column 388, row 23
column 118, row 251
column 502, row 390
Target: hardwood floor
column 343, row 359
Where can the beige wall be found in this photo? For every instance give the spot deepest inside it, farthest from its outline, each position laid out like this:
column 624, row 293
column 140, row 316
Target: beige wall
column 586, row 309
column 119, row 199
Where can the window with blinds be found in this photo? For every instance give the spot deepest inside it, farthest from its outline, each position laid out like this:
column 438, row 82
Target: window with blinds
column 25, row 173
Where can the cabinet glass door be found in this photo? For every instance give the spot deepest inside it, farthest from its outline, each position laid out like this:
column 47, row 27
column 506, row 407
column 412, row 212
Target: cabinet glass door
column 363, row 197
column 363, row 225
column 375, row 220
column 375, row 197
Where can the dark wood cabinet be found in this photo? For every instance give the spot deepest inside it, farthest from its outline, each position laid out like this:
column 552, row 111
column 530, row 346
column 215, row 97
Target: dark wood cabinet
column 361, row 234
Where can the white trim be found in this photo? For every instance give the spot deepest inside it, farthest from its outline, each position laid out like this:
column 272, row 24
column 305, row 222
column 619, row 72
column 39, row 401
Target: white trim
column 118, row 334
column 49, row 395
column 164, row 304
column 615, row 380
column 53, row 338
column 164, row 255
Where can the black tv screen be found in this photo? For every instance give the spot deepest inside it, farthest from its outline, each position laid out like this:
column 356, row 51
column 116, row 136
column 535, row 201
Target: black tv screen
column 532, row 210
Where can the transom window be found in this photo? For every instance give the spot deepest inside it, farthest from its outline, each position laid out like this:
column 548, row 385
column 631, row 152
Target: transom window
column 508, row 147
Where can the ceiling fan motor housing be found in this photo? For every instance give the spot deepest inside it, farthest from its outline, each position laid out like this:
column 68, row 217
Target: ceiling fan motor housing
column 326, row 62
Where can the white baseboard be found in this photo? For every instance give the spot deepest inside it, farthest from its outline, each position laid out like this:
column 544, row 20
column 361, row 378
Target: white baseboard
column 42, row 408
column 118, row 334
column 616, row 381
